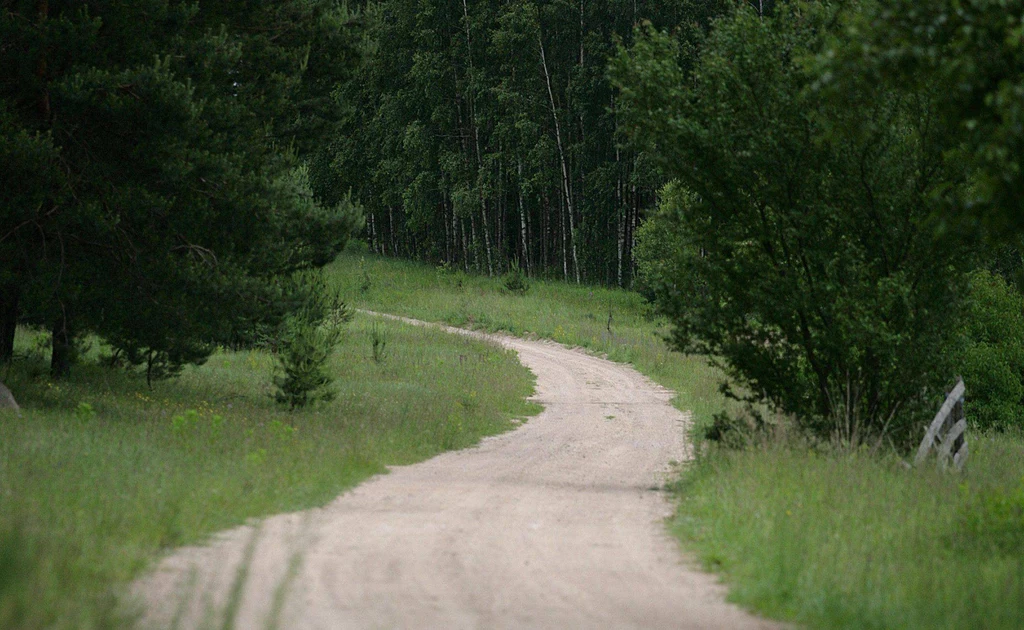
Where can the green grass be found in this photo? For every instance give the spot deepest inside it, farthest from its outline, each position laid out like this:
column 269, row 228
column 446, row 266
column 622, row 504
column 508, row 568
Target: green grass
column 89, row 494
column 850, row 540
column 99, row 474
column 828, row 540
column 570, row 314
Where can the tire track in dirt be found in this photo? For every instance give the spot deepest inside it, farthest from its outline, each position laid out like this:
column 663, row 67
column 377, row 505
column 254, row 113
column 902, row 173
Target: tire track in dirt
column 557, row 524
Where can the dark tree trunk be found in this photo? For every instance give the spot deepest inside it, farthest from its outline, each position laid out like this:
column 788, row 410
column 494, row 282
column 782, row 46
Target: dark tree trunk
column 42, row 66
column 465, row 247
column 60, row 358
column 8, row 321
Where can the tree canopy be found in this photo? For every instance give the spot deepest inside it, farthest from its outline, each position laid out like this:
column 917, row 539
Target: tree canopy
column 825, row 179
column 152, row 158
column 486, row 133
column 797, row 244
column 971, row 54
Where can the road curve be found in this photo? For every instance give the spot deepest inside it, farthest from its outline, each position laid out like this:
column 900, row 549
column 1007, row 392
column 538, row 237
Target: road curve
column 557, row 524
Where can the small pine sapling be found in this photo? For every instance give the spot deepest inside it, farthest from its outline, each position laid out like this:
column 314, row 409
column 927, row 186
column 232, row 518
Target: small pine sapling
column 515, row 280
column 307, row 340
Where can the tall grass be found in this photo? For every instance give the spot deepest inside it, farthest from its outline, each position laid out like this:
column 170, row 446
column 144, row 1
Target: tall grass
column 100, row 474
column 850, row 540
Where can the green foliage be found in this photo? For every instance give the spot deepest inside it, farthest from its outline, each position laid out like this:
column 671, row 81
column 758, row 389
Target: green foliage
column 159, row 364
column 367, row 282
column 378, row 343
column 484, row 133
column 993, row 353
column 306, row 350
column 1008, row 262
column 796, row 247
column 736, row 431
column 968, row 52
column 661, row 250
column 308, row 338
column 193, row 425
column 84, row 411
column 515, row 281
column 156, row 156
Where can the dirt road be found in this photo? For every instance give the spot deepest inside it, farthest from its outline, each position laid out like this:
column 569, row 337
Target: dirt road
column 557, row 524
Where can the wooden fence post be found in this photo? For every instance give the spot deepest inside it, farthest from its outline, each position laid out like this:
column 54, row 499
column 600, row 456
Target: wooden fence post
column 947, row 432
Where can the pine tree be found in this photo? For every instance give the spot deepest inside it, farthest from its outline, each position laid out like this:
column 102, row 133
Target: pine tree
column 154, row 152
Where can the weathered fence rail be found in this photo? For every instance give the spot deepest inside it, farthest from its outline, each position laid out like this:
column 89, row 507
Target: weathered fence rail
column 7, row 399
column 947, row 434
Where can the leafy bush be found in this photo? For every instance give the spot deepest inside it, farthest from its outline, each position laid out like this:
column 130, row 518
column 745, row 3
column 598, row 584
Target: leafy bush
column 84, row 411
column 657, row 250
column 737, row 431
column 188, row 425
column 794, row 246
column 993, row 353
column 157, row 364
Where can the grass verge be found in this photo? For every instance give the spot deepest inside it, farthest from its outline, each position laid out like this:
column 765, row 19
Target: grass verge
column 99, row 474
column 850, row 540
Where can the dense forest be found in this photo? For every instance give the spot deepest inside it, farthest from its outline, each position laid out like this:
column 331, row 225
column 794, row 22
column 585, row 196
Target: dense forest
column 487, row 133
column 825, row 197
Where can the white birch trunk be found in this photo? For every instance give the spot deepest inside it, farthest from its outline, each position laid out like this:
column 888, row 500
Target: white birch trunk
column 565, row 168
column 476, row 139
column 522, row 219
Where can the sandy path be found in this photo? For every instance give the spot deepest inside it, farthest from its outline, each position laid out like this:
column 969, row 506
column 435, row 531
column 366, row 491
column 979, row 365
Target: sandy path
column 557, row 524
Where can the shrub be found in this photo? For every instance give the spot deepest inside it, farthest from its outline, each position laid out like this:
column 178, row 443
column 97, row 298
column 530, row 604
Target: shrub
column 795, row 246
column 993, row 353
column 736, row 431
column 84, row 411
column 157, row 364
column 658, row 254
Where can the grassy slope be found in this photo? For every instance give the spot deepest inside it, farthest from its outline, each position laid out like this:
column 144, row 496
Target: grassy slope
column 827, row 540
column 570, row 314
column 90, row 493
